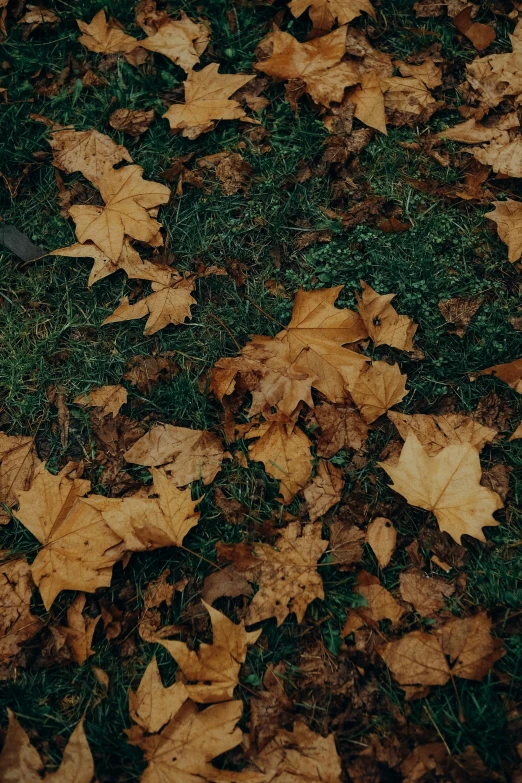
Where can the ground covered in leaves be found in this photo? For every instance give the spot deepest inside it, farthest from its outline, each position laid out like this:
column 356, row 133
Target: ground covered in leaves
column 259, row 522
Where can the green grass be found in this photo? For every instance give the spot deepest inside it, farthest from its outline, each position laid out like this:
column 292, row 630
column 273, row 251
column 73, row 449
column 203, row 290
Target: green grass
column 51, row 333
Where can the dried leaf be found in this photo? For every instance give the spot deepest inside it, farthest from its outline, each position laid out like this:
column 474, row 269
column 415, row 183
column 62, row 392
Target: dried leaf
column 385, row 326
column 460, row 311
column 187, row 455
column 182, row 41
column 324, row 13
column 225, row 582
column 300, row 755
column 17, row 623
column 470, row 647
column 80, row 630
column 325, row 490
column 448, row 485
column 429, row 73
column 508, row 217
column 480, row 35
column 377, row 388
column 510, row 373
column 108, row 398
column 426, row 593
column 153, row 705
column 381, row 605
column 382, row 538
column 105, row 37
column 341, row 428
column 145, row 371
column 134, row 122
column 497, row 76
column 36, row 15
column 436, row 432
column 369, row 102
column 18, row 462
column 346, row 545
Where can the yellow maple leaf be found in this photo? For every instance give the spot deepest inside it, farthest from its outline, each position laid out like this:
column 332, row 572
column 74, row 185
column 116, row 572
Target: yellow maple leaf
column 105, row 37
column 182, row 41
column 89, row 152
column 324, row 13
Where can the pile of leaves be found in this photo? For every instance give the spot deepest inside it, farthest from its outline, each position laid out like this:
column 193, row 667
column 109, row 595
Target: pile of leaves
column 111, row 548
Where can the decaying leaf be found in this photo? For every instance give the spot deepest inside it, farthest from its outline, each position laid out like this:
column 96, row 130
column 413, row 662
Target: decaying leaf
column 510, row 373
column 144, row 372
column 480, row 35
column 186, row 455
column 385, row 326
column 78, row 548
column 20, row 761
column 286, row 573
column 18, row 462
column 325, row 490
column 182, row 40
column 128, row 197
column 108, row 398
column 300, row 755
column 36, row 15
column 17, row 623
column 105, row 37
column 225, row 582
column 90, row 152
column 460, row 311
column 437, row 432
column 153, row 705
column 346, row 544
column 426, row 593
column 341, row 428
column 134, row 122
column 382, row 538
column 508, row 217
column 497, row 76
column 368, row 100
column 381, row 605
column 214, row 668
column 324, row 13
column 416, row 659
column 448, row 485
column 207, row 99
column 79, row 631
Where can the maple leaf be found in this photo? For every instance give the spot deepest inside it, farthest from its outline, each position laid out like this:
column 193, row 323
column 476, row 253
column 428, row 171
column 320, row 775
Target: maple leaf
column 105, row 37
column 145, row 371
column 382, row 538
column 341, row 428
column 129, row 260
column 79, row 631
column 420, row 658
column 459, row 311
column 284, row 450
column 368, row 100
column 188, row 455
column 134, row 122
column 497, row 76
column 182, row 41
column 385, row 326
column 508, row 217
column 36, row 15
column 426, row 593
column 17, row 623
column 90, row 152
column 20, row 761
column 405, row 96
column 153, row 705
column 377, row 388
column 182, row 752
column 448, row 485
column 510, row 373
column 429, row 73
column 474, row 132
column 480, row 35
column 381, row 605
column 300, row 755
column 437, row 432
column 286, row 572
column 169, row 303
column 79, row 549
column 346, row 545
column 316, row 63
column 214, row 668
column 324, row 13
column 503, row 155
column 108, row 398
column 18, row 462
column 127, row 198
column 207, row 99
column 145, row 523
column 325, row 490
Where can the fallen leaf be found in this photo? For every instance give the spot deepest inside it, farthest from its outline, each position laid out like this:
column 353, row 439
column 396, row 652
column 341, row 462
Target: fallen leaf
column 187, row 455
column 108, row 398
column 36, row 15
column 377, row 388
column 385, row 326
column 426, row 593
column 215, row 667
column 429, row 73
column 79, row 631
column 503, row 155
column 474, row 132
column 153, row 705
column 497, row 76
column 182, row 41
column 346, row 545
column 424, row 758
column 19, row 760
column 18, row 462
column 406, row 97
column 325, row 490
column 78, row 548
column 341, row 428
column 231, row 169
column 300, row 755
column 128, row 197
column 508, row 217
column 17, row 623
column 144, row 523
column 169, row 303
column 105, row 37
column 517, row 433
column 317, row 64
column 207, row 99
column 448, row 485
column 284, row 450
column 324, row 13
column 188, row 743
column 434, row 433
column 480, row 35
column 510, row 373
column 369, row 102
column 416, row 659
column 459, row 311
column 57, row 397
column 225, row 582
column 144, row 372
column 381, row 605
column 382, row 539
column 286, row 572
column 134, row 122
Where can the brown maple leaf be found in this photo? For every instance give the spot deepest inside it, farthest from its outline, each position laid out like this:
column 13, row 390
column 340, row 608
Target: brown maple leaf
column 377, row 388
column 368, row 100
column 437, row 432
column 300, row 755
column 187, row 455
column 153, row 705
column 385, row 326
column 493, row 78
column 317, row 64
column 459, row 311
column 510, row 373
column 134, row 122
column 324, row 13
column 78, row 633
column 108, row 399
column 380, row 605
column 286, row 572
column 90, row 152
column 105, row 37
column 182, row 41
column 426, row 593
column 78, row 548
column 508, row 217
column 207, row 99
column 341, row 428
column 144, row 372
column 325, row 490
column 18, row 462
column 128, row 197
column 20, row 761
column 448, row 485
column 17, row 623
